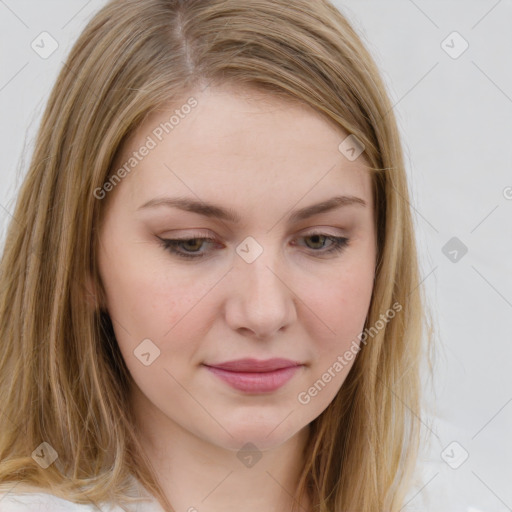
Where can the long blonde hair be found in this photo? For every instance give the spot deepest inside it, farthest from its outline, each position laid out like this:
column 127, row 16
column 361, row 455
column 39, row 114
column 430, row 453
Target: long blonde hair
column 63, row 380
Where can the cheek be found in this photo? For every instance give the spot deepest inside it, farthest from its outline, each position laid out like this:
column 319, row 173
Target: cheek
column 339, row 294
column 154, row 301
column 348, row 303
column 149, row 306
column 339, row 307
column 342, row 305
column 142, row 291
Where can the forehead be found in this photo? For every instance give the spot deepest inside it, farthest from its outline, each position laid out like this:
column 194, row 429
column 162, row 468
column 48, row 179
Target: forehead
column 243, row 145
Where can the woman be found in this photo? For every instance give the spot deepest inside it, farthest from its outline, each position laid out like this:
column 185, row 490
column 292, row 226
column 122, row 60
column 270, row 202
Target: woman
column 272, row 363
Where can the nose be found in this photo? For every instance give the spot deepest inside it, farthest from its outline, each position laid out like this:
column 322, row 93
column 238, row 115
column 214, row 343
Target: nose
column 260, row 300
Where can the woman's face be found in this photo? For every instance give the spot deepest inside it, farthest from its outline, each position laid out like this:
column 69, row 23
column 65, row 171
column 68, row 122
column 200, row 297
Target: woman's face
column 276, row 277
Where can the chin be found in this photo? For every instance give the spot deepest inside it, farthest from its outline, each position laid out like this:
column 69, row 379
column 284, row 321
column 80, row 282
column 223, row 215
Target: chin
column 266, row 435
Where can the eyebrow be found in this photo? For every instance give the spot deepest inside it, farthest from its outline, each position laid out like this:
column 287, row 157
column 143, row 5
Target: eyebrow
column 227, row 214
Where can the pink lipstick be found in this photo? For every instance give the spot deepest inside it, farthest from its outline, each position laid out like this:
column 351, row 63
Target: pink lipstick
column 255, row 376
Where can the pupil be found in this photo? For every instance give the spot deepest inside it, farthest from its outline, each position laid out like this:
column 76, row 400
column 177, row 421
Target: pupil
column 316, row 238
column 193, row 240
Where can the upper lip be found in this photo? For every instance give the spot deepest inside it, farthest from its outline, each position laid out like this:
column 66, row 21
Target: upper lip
column 255, row 365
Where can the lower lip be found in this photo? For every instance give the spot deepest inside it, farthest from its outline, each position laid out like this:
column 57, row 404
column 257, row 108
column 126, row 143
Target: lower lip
column 253, row 382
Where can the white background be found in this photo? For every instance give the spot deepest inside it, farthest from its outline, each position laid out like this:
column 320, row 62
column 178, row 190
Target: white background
column 455, row 116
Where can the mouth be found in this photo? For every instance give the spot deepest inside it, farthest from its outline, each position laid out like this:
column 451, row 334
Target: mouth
column 254, row 376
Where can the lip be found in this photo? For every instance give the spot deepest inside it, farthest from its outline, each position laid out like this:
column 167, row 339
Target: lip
column 256, row 376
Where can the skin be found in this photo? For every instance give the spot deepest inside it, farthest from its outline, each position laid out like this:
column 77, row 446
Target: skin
column 263, row 158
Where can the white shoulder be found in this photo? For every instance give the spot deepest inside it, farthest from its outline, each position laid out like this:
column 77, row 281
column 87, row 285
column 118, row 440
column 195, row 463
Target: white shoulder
column 40, row 502
column 37, row 501
column 22, row 497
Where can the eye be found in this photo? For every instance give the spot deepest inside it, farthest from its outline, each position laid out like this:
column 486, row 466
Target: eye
column 173, row 245
column 338, row 243
column 189, row 248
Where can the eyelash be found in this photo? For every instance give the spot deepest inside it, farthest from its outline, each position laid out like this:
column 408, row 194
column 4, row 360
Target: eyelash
column 338, row 245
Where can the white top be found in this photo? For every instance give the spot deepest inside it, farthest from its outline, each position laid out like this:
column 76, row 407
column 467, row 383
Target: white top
column 43, row 502
column 17, row 500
